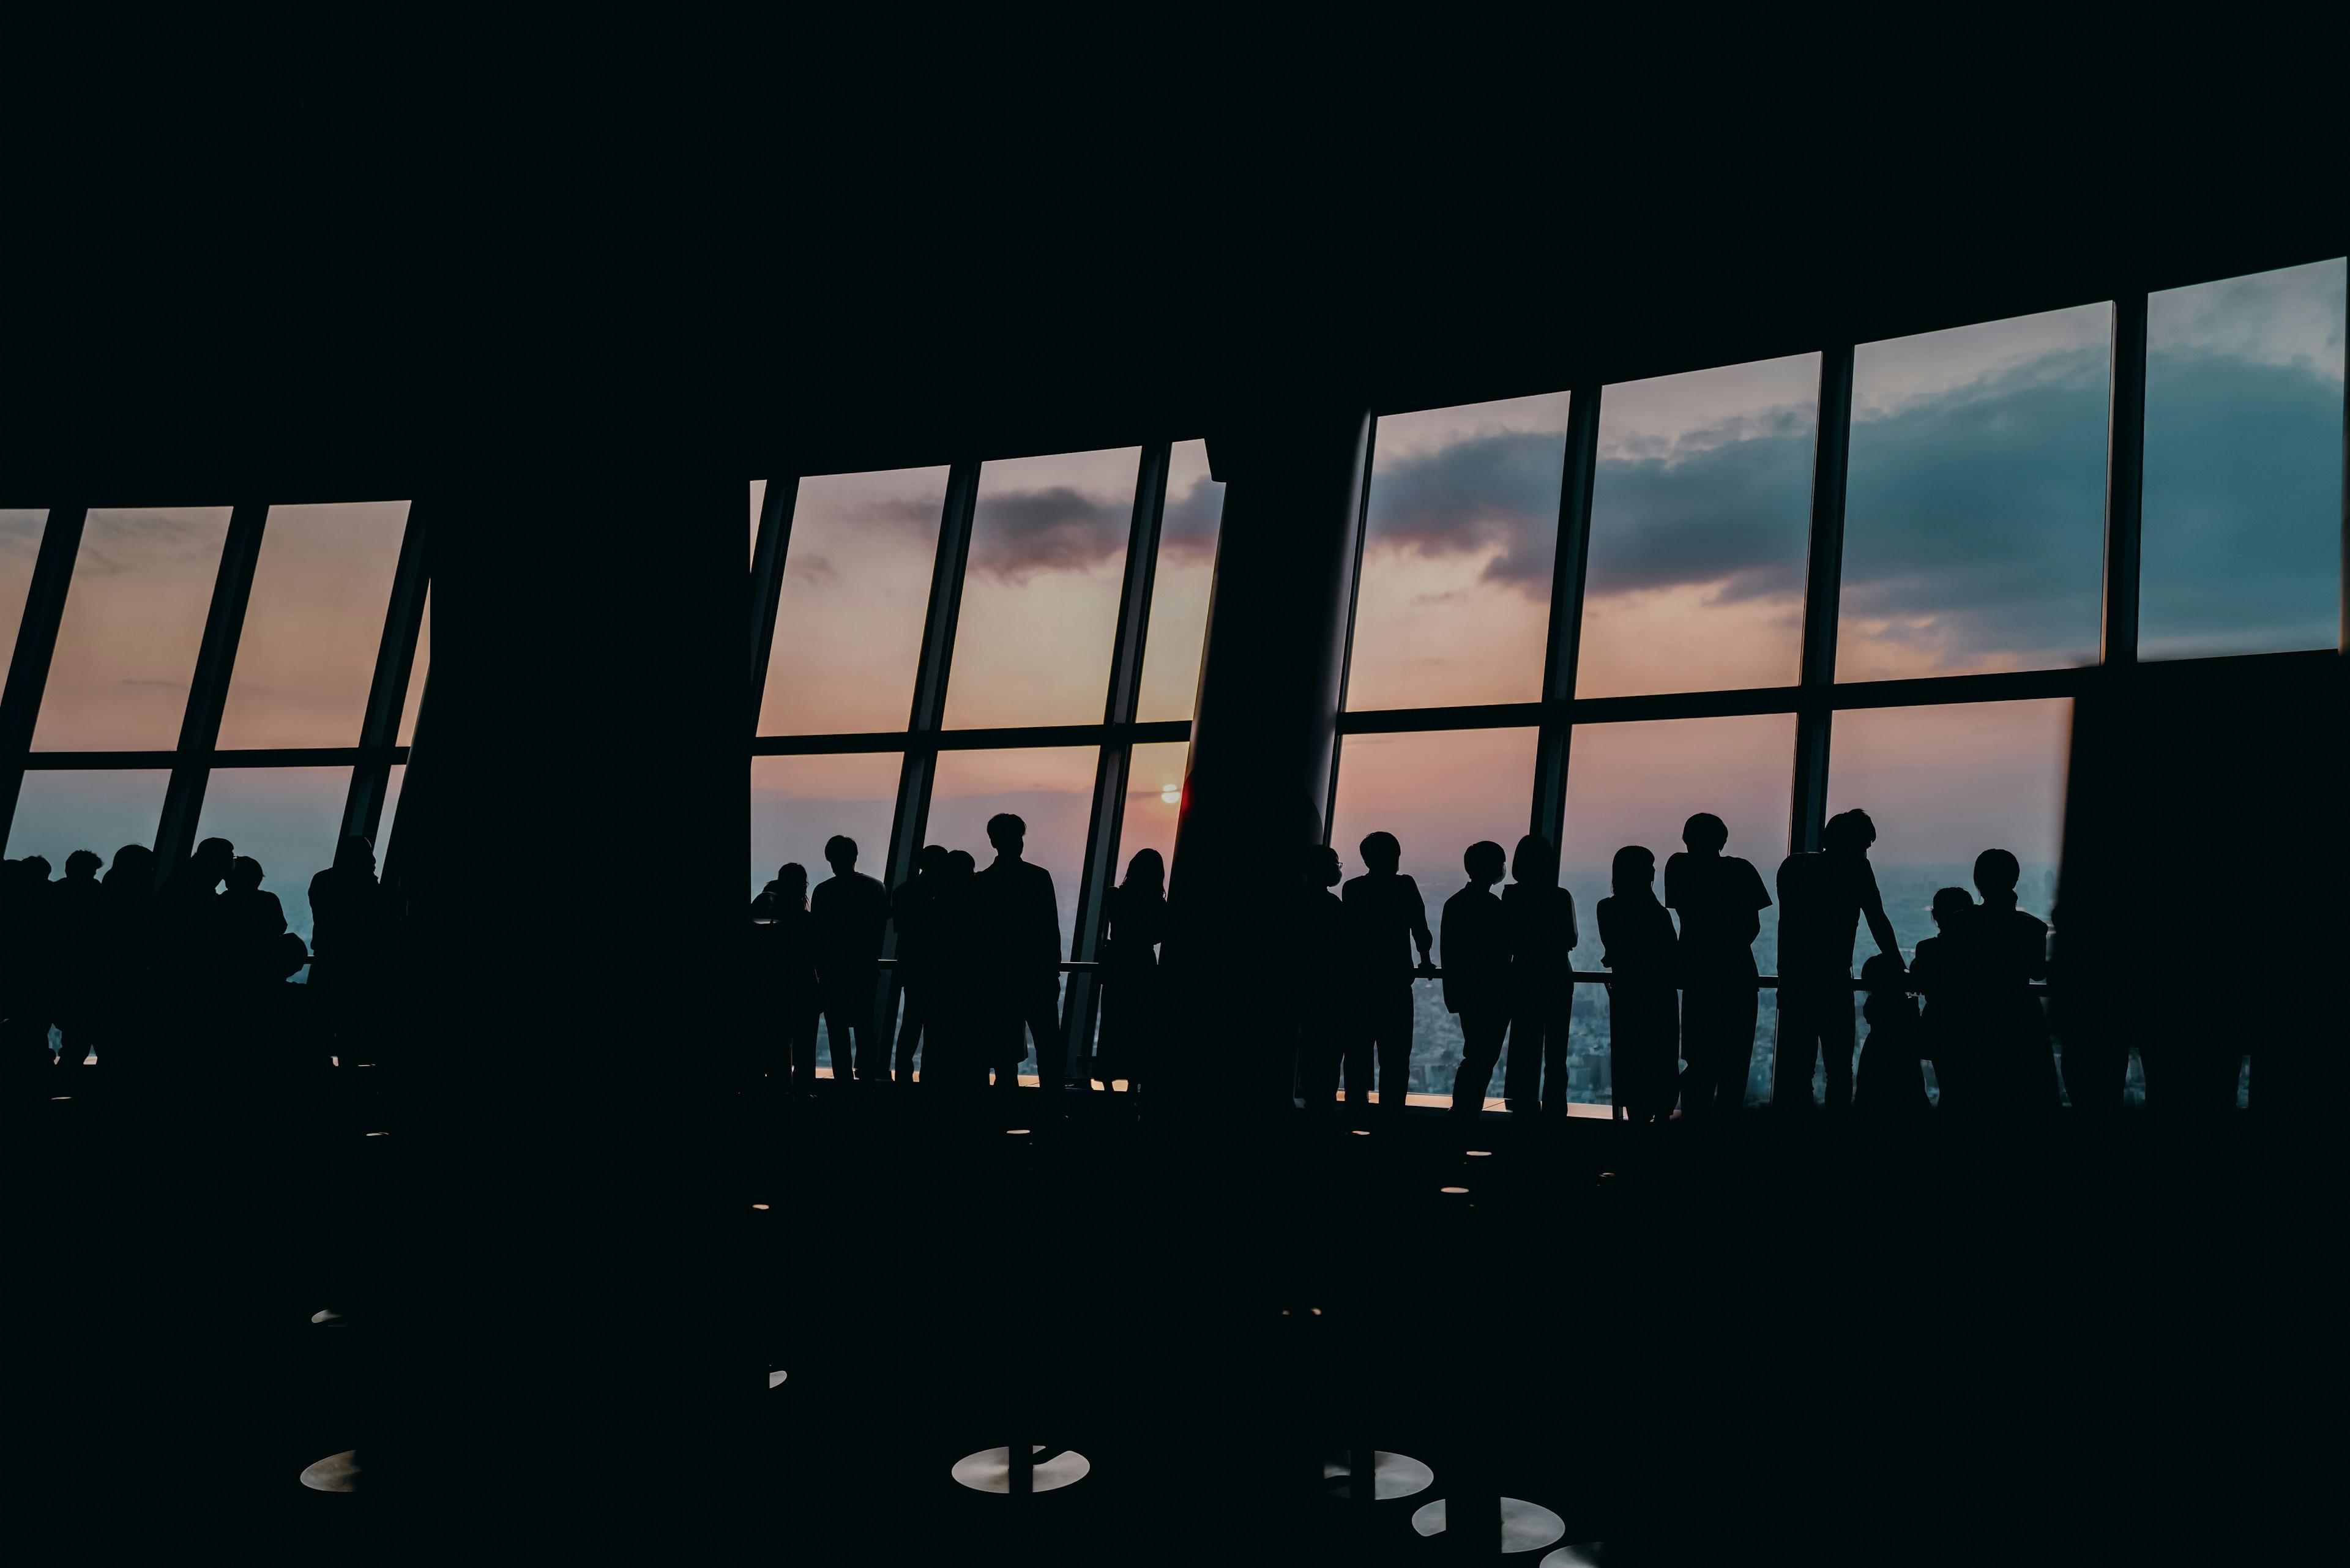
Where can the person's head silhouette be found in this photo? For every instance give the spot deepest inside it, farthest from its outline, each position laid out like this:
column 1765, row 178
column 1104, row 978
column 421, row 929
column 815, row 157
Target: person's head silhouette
column 210, row 863
column 1381, row 853
column 1705, row 834
column 960, row 863
column 1996, row 875
column 133, row 863
column 1147, row 872
column 82, row 866
column 33, row 868
column 1536, row 863
column 1008, row 834
column 1951, row 904
column 840, row 854
column 1883, row 971
column 1483, row 862
column 931, row 860
column 355, row 854
column 791, row 884
column 1320, row 864
column 1633, row 873
column 244, row 874
column 1848, row 833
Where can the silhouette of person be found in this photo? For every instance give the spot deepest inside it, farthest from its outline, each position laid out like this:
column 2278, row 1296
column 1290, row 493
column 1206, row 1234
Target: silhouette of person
column 1474, row 937
column 1386, row 921
column 850, row 911
column 1823, row 898
column 783, row 968
column 352, row 936
column 1935, row 975
column 1720, row 900
column 913, row 911
column 77, row 919
column 250, row 919
column 1542, row 938
column 1131, row 1005
column 2006, row 1028
column 1637, row 947
column 121, row 1011
column 953, row 1055
column 1020, row 918
column 1889, row 1079
column 1318, row 994
column 190, row 959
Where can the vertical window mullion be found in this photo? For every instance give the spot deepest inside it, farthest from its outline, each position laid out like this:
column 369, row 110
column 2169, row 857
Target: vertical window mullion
column 1116, row 758
column 36, row 645
column 2124, row 483
column 920, row 767
column 395, row 666
column 767, row 580
column 183, row 799
column 1570, row 567
column 1354, row 603
column 1822, row 600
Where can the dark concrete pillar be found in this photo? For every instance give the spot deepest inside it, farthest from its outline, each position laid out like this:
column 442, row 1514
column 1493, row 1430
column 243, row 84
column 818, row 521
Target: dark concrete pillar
column 572, row 1283
column 1265, row 739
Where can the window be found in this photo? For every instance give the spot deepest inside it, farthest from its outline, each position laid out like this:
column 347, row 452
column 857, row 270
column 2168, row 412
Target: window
column 1180, row 583
column 1700, row 521
column 142, row 585
column 20, row 542
column 1974, row 530
column 2240, row 549
column 288, row 819
column 66, row 809
column 1050, row 788
column 313, row 625
column 799, row 803
column 1040, row 596
column 1460, row 526
column 1154, row 802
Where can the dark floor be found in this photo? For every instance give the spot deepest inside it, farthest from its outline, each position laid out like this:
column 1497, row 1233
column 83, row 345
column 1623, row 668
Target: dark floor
column 1800, row 1341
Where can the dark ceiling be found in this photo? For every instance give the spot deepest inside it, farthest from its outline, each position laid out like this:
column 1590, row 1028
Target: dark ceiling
column 844, row 257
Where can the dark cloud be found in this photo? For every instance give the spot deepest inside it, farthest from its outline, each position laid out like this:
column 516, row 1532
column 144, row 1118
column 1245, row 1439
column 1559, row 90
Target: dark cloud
column 1495, row 493
column 1017, row 533
column 1728, row 509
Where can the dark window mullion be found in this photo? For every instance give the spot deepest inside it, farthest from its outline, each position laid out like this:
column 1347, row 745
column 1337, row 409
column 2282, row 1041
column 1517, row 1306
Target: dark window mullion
column 36, row 645
column 184, row 801
column 395, row 665
column 2124, row 483
column 1570, row 566
column 1822, row 597
column 1115, row 762
column 914, row 779
column 1354, row 604
column 767, row 580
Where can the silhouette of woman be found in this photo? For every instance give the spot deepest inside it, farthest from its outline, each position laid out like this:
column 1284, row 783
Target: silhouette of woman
column 783, row 943
column 1639, row 948
column 1130, row 972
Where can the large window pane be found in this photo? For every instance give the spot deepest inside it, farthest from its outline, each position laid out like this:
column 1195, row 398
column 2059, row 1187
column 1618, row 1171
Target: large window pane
column 1700, row 521
column 1048, row 787
column 1181, row 585
column 417, row 671
column 2243, row 544
column 134, row 618
column 1974, row 535
column 313, row 625
column 799, row 803
column 100, row 811
column 1637, row 784
column 1154, row 801
column 20, row 542
column 1453, row 604
column 1943, row 785
column 1040, row 599
column 286, row 818
column 855, row 590
column 1437, row 794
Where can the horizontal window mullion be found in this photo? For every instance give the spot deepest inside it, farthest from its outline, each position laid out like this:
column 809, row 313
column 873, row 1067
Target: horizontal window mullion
column 1004, row 739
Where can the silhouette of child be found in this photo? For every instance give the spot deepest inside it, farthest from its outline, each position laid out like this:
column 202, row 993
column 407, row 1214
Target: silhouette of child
column 1890, row 1078
column 1933, row 975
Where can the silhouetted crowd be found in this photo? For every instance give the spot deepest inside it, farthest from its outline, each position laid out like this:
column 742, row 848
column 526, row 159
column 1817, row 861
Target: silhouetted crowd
column 152, row 978
column 977, row 955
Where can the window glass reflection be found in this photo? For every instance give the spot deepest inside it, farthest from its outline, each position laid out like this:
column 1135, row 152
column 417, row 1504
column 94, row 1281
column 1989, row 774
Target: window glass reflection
column 1701, row 522
column 1040, row 598
column 1437, row 794
column 1974, row 535
column 134, row 618
column 856, row 592
column 1180, row 583
column 286, row 818
column 313, row 625
column 1453, row 602
column 1639, row 783
column 2242, row 550
column 63, row 810
column 20, row 543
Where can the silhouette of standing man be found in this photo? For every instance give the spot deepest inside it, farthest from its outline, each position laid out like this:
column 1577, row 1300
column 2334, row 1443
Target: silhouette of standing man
column 1720, row 900
column 1476, row 948
column 1823, row 898
column 849, row 910
column 1020, row 919
column 1543, row 934
column 913, row 910
column 1385, row 920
